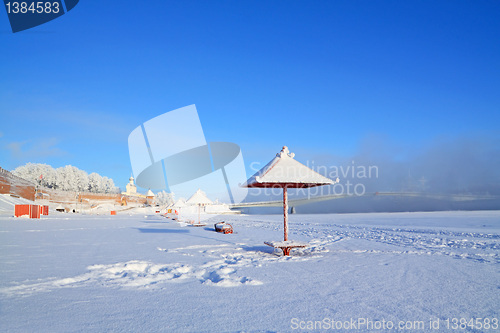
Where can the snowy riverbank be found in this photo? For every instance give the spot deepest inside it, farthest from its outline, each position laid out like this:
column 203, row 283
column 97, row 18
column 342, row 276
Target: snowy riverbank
column 78, row 273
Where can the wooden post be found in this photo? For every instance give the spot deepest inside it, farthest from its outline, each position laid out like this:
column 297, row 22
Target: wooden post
column 285, row 211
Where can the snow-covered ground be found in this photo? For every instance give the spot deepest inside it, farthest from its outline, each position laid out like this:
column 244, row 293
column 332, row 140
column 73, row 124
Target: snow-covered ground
column 145, row 273
column 8, row 203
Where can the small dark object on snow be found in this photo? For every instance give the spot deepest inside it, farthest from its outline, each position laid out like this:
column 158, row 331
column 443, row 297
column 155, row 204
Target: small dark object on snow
column 223, row 227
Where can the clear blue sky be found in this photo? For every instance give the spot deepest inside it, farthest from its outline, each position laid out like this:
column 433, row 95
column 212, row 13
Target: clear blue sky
column 319, row 76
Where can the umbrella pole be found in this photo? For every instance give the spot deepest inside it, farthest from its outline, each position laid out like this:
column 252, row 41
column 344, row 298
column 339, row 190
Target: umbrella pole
column 285, row 212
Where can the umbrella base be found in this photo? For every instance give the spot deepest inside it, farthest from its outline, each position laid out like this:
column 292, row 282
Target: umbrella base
column 286, row 246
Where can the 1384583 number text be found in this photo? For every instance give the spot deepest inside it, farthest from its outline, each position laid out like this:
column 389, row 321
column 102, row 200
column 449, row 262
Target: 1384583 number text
column 472, row 323
column 39, row 7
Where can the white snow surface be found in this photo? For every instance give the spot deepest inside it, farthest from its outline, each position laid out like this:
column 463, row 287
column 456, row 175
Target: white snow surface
column 146, row 273
column 8, row 203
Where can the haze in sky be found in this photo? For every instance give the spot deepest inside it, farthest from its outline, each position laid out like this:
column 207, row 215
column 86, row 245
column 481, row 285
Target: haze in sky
column 405, row 85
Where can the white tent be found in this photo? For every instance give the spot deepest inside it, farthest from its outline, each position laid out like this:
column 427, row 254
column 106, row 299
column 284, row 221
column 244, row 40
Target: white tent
column 199, row 198
column 180, row 203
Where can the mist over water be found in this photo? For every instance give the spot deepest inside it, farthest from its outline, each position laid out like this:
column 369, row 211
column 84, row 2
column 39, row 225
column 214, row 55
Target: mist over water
column 445, row 166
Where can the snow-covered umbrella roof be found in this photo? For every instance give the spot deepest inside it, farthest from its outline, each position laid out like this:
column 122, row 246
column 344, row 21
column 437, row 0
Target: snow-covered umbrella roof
column 199, row 198
column 150, row 193
column 284, row 171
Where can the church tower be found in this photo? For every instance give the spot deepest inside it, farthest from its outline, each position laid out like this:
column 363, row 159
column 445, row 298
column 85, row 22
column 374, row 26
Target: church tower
column 131, row 188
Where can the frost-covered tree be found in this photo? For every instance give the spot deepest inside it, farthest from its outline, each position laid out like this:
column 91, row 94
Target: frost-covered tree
column 94, row 183
column 67, row 178
column 41, row 174
column 164, row 198
column 107, row 185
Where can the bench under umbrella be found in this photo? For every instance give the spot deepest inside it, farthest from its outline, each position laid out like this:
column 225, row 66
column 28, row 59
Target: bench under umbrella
column 285, row 172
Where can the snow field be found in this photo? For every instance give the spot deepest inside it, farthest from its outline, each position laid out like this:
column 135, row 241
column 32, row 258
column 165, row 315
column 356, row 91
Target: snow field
column 8, row 203
column 145, row 273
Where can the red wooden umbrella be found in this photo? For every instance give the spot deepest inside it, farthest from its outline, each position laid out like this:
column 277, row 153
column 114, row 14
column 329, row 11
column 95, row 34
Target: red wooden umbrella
column 285, row 172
